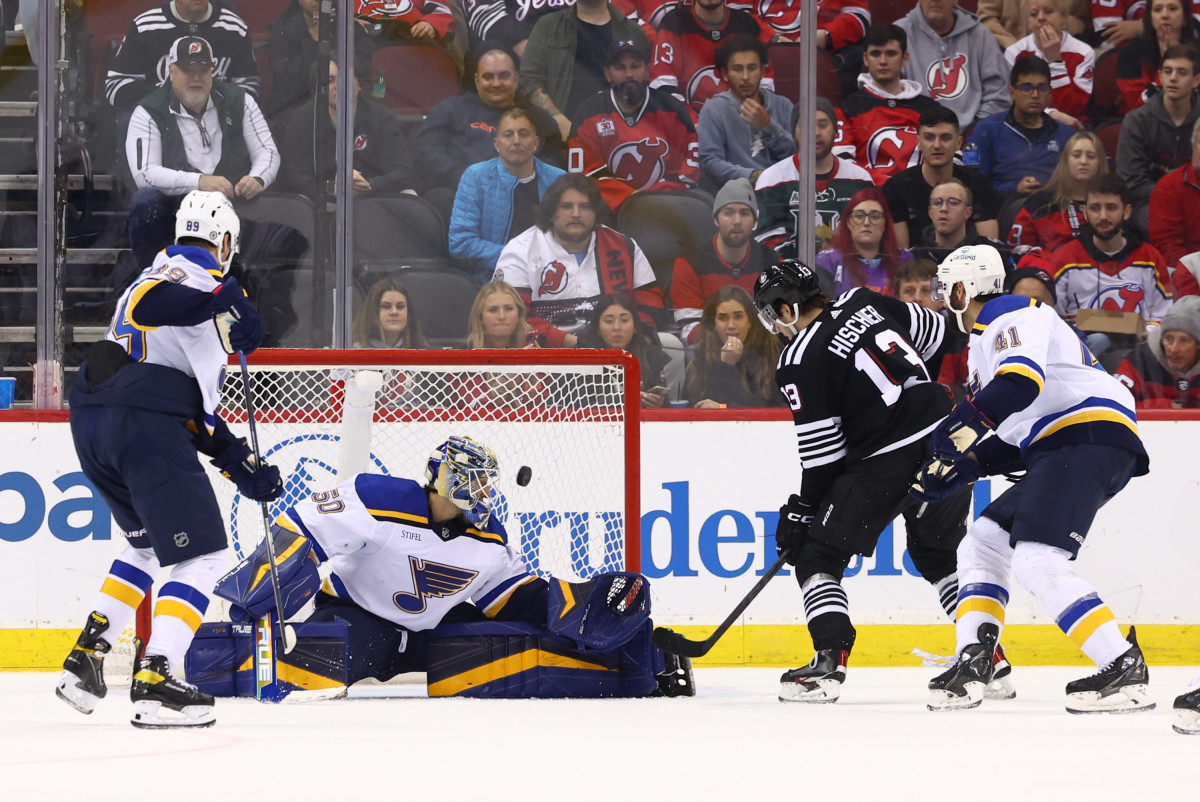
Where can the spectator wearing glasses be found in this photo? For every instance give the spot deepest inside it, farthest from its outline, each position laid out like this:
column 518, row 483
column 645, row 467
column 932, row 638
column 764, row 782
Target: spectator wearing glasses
column 864, row 252
column 950, row 208
column 1019, row 148
column 1071, row 61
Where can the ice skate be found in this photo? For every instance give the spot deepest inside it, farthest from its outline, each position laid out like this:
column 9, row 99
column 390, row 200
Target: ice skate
column 1187, row 713
column 1001, row 686
column 819, row 682
column 963, row 685
column 676, row 679
column 160, row 701
column 1122, row 686
column 82, row 682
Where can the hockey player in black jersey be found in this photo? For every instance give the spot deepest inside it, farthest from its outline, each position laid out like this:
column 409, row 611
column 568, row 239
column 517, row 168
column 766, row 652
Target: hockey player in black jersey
column 853, row 371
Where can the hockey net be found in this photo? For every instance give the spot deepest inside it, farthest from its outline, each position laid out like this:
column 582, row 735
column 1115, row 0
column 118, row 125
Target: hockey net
column 570, row 415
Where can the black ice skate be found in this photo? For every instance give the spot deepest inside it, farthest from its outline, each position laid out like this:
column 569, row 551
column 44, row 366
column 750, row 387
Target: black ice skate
column 82, row 682
column 818, row 682
column 1119, row 687
column 1187, row 713
column 676, row 679
column 1001, row 686
column 962, row 686
column 162, row 702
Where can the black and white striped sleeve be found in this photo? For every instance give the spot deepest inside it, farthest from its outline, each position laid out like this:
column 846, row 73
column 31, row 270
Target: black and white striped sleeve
column 926, row 329
column 820, row 442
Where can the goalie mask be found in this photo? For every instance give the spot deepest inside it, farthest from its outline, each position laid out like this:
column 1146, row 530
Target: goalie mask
column 790, row 282
column 464, row 471
column 209, row 216
column 978, row 268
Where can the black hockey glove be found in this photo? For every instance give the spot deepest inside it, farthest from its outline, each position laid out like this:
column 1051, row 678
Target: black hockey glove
column 238, row 324
column 258, row 481
column 795, row 519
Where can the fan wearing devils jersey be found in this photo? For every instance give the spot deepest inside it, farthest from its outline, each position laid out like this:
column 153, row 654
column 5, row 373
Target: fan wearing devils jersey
column 1071, row 61
column 562, row 265
column 687, row 42
column 427, row 19
column 879, row 122
column 633, row 137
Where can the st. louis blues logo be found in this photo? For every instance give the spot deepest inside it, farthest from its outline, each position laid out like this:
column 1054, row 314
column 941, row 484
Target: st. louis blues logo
column 431, row 581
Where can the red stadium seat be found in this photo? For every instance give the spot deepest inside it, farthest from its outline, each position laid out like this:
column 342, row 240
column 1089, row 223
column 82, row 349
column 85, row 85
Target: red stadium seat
column 789, row 77
column 416, row 77
column 261, row 14
column 890, row 10
column 1105, row 94
column 1109, row 134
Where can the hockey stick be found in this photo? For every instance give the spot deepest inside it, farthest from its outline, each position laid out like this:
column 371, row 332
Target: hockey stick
column 671, row 641
column 289, row 634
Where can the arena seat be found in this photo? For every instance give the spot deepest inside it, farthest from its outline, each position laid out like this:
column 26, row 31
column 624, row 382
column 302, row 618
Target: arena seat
column 666, row 225
column 416, row 77
column 388, row 230
column 1105, row 94
column 442, row 297
column 789, row 77
column 1109, row 133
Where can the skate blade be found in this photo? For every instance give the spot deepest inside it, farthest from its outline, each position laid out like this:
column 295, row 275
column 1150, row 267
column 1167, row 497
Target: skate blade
column 940, row 701
column 1187, row 722
column 826, row 691
column 150, row 715
column 1130, row 699
column 69, row 691
column 999, row 690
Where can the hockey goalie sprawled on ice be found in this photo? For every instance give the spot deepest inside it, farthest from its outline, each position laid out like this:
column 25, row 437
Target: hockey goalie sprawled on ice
column 406, row 557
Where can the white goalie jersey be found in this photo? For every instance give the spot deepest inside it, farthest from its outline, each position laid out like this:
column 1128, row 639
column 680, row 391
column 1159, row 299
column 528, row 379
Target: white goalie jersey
column 390, row 559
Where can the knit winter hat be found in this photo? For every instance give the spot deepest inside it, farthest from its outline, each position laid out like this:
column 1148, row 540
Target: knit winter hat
column 1184, row 315
column 1038, row 273
column 823, row 104
column 736, row 190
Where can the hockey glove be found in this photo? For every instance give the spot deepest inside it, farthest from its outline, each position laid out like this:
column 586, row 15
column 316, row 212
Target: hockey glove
column 959, row 432
column 238, row 324
column 795, row 519
column 248, row 585
column 255, row 480
column 938, row 480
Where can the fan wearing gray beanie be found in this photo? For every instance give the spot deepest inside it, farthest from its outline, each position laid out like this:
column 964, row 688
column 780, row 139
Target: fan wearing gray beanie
column 1164, row 371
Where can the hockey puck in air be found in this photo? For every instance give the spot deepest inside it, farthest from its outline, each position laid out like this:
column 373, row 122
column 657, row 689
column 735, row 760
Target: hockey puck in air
column 524, row 475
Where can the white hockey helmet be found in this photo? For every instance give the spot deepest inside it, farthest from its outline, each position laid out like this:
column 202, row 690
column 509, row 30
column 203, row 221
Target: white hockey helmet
column 209, row 216
column 464, row 471
column 978, row 268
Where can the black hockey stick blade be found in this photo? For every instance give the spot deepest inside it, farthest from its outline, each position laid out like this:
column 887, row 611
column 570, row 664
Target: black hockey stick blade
column 675, row 643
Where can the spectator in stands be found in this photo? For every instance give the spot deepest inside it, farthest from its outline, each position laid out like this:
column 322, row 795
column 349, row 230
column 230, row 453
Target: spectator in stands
column 424, row 21
column 387, row 319
column 950, row 209
column 293, row 56
column 864, row 252
column 685, row 51
column 496, row 198
column 1164, row 371
column 778, row 187
column 885, row 102
column 955, row 59
column 1118, row 22
column 1008, row 20
column 908, row 192
column 143, row 58
column 632, row 137
column 498, row 319
column 1107, row 266
column 914, row 283
column 569, row 259
column 1055, row 213
column 173, row 145
column 1071, row 61
column 841, row 26
column 1157, row 137
column 1019, row 148
column 617, row 324
column 732, row 257
column 461, row 131
column 743, row 130
column 1174, row 211
column 381, row 163
column 734, row 361
column 503, row 24
column 1165, row 24
column 569, row 55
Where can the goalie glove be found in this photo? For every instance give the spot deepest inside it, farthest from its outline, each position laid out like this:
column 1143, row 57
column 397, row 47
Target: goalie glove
column 256, row 480
column 248, row 586
column 795, row 519
column 938, row 480
column 238, row 324
column 955, row 436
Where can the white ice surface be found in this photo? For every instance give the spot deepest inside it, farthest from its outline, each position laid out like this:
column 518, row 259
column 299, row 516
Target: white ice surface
column 733, row 741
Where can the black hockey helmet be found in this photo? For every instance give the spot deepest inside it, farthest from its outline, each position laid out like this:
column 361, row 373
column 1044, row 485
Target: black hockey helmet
column 790, row 282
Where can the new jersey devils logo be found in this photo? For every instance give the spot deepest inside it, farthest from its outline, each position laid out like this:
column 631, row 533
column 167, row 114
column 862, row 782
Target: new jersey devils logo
column 948, row 78
column 554, row 279
column 384, row 8
column 703, row 85
column 640, row 163
column 782, row 15
column 1121, row 297
column 894, row 146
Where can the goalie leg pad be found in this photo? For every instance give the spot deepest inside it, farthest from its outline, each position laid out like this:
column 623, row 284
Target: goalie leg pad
column 602, row 613
column 220, row 660
column 248, row 586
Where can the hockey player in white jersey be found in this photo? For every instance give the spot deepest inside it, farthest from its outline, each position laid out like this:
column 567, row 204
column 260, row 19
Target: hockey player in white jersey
column 407, row 557
column 1037, row 398
column 142, row 406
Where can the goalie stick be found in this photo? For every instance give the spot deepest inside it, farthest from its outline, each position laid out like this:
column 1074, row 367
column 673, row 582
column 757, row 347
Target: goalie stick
column 675, row 643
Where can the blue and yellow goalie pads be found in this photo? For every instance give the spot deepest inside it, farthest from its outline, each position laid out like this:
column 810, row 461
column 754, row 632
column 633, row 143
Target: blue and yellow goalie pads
column 602, row 613
column 248, row 586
